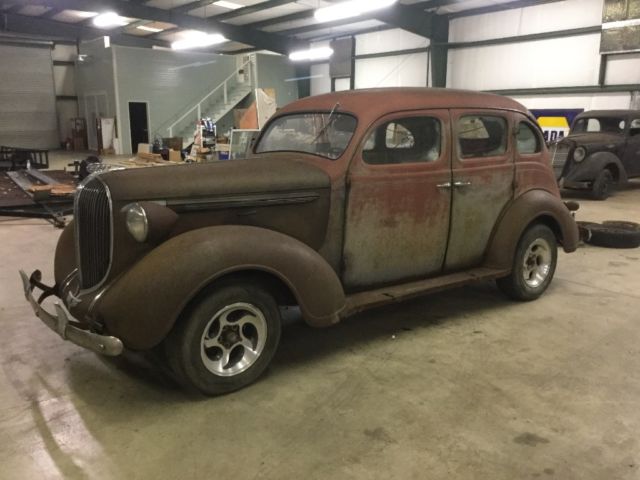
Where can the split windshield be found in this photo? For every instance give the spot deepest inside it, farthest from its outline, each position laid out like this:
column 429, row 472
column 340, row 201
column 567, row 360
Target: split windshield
column 599, row 124
column 323, row 134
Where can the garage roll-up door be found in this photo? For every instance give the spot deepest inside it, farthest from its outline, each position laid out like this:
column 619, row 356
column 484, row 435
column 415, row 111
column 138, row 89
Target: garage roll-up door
column 27, row 98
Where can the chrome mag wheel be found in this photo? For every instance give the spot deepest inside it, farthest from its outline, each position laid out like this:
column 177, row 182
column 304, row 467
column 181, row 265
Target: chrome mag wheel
column 233, row 339
column 537, row 263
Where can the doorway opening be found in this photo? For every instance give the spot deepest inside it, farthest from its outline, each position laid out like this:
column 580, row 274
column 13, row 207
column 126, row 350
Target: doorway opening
column 138, row 124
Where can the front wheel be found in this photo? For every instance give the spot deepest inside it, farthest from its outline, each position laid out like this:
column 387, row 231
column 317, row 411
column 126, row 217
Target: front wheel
column 603, row 185
column 533, row 265
column 226, row 340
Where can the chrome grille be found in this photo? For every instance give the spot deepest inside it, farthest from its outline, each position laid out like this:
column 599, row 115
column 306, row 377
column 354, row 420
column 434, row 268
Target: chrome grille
column 93, row 232
column 559, row 155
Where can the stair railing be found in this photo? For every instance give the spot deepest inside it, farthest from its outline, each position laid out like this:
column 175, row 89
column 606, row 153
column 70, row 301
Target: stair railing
column 247, row 68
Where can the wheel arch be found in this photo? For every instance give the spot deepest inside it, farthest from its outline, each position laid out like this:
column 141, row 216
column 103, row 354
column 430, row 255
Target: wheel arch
column 534, row 206
column 606, row 161
column 143, row 304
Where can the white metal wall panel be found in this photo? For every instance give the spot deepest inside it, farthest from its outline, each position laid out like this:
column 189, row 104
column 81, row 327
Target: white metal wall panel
column 623, row 69
column 600, row 101
column 547, row 17
column 397, row 71
column 560, row 62
column 27, row 98
column 388, row 41
column 320, row 79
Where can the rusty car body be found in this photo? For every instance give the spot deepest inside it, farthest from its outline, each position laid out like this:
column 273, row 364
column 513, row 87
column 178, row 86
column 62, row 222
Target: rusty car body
column 350, row 200
column 601, row 151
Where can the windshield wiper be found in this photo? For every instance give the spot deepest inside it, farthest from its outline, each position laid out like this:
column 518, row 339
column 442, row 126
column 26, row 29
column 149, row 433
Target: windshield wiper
column 328, row 124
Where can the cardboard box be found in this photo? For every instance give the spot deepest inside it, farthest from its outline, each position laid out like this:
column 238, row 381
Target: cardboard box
column 174, row 156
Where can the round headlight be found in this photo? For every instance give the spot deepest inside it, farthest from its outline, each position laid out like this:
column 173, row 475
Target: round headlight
column 579, row 154
column 137, row 222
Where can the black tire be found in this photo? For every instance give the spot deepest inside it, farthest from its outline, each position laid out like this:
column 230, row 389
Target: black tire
column 603, row 185
column 539, row 247
column 625, row 225
column 614, row 235
column 202, row 368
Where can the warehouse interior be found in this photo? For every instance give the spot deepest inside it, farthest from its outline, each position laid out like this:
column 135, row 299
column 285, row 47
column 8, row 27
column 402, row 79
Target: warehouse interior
column 460, row 383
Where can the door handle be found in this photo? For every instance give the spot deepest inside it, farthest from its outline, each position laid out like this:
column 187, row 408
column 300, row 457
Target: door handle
column 444, row 185
column 461, row 184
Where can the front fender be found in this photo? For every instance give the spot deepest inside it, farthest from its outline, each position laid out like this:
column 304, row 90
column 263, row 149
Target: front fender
column 142, row 305
column 590, row 167
column 531, row 206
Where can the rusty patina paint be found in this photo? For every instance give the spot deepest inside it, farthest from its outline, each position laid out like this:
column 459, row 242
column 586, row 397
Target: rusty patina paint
column 349, row 226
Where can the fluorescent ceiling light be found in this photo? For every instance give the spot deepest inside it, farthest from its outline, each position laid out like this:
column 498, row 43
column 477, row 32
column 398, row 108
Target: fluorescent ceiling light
column 351, row 8
column 149, row 29
column 81, row 14
column 109, row 19
column 198, row 40
column 311, row 54
column 229, row 5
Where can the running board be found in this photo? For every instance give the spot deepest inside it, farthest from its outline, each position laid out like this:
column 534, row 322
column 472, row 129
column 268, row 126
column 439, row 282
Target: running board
column 358, row 302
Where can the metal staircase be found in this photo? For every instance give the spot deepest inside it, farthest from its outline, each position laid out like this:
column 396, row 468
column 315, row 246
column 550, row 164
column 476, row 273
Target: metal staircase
column 214, row 105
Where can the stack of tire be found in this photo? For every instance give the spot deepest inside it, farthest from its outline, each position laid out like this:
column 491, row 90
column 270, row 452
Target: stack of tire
column 610, row 233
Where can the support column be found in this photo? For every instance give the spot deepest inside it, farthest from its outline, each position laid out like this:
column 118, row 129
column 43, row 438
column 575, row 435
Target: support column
column 439, row 50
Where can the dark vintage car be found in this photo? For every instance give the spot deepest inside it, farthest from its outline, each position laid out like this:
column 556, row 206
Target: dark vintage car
column 350, row 200
column 601, row 151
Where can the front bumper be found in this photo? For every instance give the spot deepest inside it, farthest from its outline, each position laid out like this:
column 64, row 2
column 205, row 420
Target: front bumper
column 64, row 323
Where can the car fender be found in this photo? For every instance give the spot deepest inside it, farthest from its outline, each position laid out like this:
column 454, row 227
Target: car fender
column 590, row 167
column 531, row 206
column 142, row 305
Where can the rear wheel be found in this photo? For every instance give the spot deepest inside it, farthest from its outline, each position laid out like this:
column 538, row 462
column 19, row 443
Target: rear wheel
column 603, row 185
column 226, row 340
column 533, row 265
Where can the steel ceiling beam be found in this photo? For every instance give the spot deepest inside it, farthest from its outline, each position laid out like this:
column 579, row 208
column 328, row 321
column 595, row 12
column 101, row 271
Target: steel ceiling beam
column 258, row 7
column 45, row 27
column 243, row 34
column 499, row 7
column 407, row 17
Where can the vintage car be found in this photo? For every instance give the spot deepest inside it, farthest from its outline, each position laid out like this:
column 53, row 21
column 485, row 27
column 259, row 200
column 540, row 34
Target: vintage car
column 601, row 151
column 350, row 200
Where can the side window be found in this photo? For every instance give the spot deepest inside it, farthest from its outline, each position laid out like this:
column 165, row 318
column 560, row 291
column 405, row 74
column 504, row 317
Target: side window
column 404, row 140
column 482, row 136
column 634, row 128
column 527, row 140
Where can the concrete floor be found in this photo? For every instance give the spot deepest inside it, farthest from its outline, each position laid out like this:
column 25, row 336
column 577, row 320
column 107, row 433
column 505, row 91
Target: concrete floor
column 459, row 385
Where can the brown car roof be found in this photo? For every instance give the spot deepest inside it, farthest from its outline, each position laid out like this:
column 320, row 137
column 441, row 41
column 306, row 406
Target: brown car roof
column 608, row 113
column 373, row 103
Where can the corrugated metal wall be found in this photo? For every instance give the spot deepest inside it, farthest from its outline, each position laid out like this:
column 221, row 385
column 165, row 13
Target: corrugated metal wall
column 27, row 98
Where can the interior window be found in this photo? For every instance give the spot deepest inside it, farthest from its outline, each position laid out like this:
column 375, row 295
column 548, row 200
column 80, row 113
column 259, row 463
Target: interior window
column 526, row 139
column 482, row 136
column 634, row 128
column 405, row 140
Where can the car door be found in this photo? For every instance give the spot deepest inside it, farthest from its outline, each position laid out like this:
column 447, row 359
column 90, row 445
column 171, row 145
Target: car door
column 482, row 182
column 631, row 157
column 398, row 203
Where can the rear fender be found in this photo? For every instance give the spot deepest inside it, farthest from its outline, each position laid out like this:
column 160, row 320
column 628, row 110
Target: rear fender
column 530, row 207
column 143, row 304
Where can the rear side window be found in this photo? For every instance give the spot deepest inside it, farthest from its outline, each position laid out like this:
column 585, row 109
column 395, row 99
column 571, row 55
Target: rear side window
column 527, row 140
column 404, row 140
column 482, row 136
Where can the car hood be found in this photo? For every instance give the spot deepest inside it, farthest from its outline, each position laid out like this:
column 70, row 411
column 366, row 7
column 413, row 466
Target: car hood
column 595, row 138
column 261, row 174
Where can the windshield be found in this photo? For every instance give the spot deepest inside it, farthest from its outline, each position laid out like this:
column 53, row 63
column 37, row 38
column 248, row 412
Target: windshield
column 324, row 134
column 599, row 124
